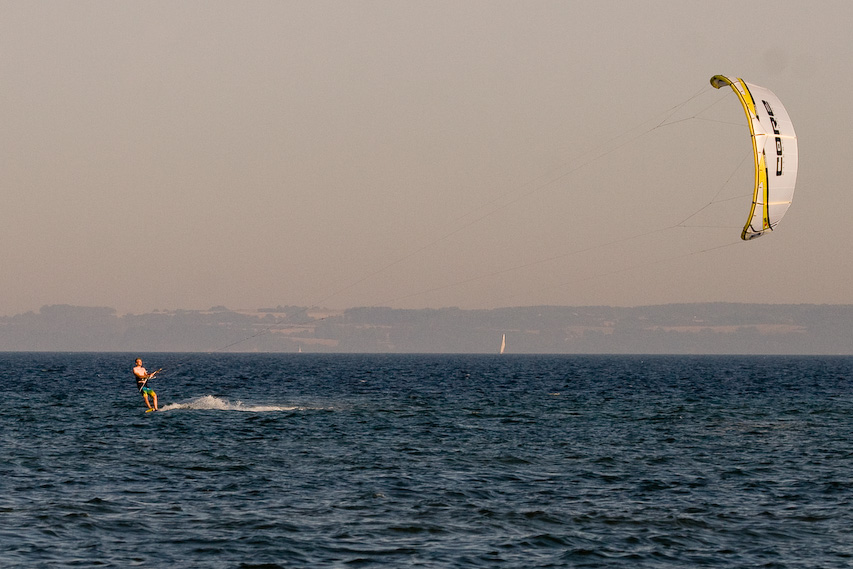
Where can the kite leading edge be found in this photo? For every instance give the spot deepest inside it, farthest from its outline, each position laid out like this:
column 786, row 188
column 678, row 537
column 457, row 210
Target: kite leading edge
column 774, row 145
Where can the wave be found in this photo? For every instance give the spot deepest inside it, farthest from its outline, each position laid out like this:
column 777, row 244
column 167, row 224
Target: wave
column 212, row 403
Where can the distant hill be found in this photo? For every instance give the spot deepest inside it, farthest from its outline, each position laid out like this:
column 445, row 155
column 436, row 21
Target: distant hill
column 715, row 328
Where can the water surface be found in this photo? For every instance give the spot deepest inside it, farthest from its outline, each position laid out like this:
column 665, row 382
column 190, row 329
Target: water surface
column 432, row 461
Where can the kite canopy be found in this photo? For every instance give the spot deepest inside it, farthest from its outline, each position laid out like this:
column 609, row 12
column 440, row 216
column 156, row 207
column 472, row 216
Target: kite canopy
column 774, row 145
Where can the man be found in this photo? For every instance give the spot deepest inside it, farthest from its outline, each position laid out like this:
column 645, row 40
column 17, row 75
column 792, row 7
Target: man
column 142, row 377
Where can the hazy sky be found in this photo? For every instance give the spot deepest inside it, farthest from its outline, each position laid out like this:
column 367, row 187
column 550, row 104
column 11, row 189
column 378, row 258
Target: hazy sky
column 163, row 155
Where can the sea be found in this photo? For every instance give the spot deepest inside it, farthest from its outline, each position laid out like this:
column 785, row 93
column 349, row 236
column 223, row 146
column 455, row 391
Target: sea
column 431, row 461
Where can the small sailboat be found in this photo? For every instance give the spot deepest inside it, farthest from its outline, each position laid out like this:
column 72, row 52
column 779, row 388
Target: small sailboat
column 503, row 343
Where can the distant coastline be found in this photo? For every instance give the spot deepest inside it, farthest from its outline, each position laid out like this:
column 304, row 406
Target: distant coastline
column 710, row 328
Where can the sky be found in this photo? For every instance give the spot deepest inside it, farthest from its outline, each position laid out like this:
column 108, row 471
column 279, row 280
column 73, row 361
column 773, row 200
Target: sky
column 182, row 155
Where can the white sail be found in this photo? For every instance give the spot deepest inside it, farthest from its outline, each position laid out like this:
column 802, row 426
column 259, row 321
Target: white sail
column 774, row 145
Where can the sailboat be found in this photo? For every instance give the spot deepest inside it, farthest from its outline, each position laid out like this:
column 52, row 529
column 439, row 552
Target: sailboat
column 503, row 343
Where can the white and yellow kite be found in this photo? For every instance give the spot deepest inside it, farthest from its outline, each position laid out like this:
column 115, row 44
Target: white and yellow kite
column 774, row 144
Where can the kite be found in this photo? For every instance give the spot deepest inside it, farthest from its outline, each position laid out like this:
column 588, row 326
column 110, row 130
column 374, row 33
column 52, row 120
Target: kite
column 774, row 145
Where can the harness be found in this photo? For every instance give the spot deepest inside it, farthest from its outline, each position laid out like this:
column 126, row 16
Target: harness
column 144, row 381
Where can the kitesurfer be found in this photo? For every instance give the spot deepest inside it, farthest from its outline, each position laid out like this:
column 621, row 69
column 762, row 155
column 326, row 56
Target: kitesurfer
column 142, row 377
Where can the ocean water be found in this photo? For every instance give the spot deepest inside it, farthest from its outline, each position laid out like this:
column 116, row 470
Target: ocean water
column 300, row 460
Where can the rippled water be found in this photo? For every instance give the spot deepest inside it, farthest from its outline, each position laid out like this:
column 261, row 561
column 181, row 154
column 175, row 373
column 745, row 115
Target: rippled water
column 431, row 461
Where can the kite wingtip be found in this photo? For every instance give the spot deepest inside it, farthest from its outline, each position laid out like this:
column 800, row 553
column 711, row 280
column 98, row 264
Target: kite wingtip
column 718, row 81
